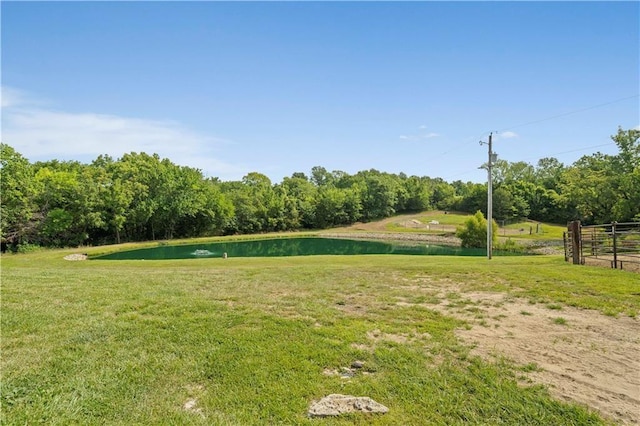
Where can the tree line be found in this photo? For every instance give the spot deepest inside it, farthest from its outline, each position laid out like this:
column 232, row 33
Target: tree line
column 143, row 197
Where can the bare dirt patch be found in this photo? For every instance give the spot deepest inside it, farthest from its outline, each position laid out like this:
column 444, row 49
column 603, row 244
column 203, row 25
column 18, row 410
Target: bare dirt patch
column 76, row 257
column 627, row 263
column 581, row 355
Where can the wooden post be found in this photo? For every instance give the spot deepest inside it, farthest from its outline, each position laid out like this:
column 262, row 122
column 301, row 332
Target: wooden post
column 615, row 245
column 576, row 239
column 564, row 240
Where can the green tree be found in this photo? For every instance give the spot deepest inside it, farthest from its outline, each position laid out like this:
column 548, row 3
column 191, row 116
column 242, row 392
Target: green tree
column 142, row 174
column 116, row 195
column 589, row 185
column 506, row 172
column 443, row 195
column 301, row 193
column 17, row 191
column 474, row 231
column 418, row 194
column 320, row 176
column 60, row 202
column 379, row 195
column 543, row 204
column 473, row 197
column 548, row 172
column 257, row 207
column 627, row 182
column 509, row 203
column 220, row 206
column 335, row 206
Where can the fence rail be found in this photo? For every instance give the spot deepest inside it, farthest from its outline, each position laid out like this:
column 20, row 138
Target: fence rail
column 616, row 243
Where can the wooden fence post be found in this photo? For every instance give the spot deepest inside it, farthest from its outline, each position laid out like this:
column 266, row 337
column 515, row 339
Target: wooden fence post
column 615, row 245
column 576, row 241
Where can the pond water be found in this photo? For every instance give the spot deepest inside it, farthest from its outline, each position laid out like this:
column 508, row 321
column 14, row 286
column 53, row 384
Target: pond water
column 288, row 247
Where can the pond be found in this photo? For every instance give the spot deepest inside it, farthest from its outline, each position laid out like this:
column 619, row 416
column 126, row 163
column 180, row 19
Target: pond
column 274, row 247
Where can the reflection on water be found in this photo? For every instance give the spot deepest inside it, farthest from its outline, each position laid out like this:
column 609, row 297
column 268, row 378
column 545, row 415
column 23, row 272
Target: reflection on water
column 289, row 247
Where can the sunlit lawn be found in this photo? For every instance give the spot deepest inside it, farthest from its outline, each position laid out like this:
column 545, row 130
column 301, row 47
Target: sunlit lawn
column 534, row 230
column 129, row 342
column 529, row 230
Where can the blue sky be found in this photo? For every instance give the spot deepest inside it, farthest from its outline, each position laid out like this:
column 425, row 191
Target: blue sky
column 280, row 87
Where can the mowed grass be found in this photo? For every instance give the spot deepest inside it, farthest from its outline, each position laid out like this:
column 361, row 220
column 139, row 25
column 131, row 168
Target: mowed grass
column 247, row 341
column 445, row 221
column 529, row 230
column 534, row 230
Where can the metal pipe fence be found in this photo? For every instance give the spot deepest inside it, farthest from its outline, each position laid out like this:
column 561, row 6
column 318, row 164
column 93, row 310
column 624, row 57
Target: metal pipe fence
column 616, row 243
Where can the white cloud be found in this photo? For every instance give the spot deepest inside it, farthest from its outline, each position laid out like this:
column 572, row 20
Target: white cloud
column 508, row 135
column 40, row 134
column 419, row 137
column 11, row 97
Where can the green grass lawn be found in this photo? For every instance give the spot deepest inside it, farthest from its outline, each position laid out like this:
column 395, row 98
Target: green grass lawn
column 539, row 231
column 450, row 218
column 130, row 342
column 520, row 230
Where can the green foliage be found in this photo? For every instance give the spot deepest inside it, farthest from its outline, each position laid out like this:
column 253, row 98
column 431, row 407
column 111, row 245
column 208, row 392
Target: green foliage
column 560, row 321
column 473, row 197
column 604, row 188
column 443, row 196
column 505, row 172
column 509, row 245
column 17, row 189
column 25, row 247
column 627, row 181
column 380, row 195
column 474, row 231
column 335, row 206
column 143, row 197
column 301, row 195
column 507, row 205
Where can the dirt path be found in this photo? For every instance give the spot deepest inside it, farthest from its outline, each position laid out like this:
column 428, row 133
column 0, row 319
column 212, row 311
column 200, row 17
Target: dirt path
column 583, row 356
column 393, row 236
column 406, row 220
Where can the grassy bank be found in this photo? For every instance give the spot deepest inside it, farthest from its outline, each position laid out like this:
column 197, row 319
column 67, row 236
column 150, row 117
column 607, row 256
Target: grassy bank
column 254, row 341
column 439, row 222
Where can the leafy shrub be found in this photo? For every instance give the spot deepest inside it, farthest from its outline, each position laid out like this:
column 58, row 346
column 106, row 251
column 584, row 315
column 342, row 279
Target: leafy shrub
column 474, row 231
column 27, row 248
column 510, row 246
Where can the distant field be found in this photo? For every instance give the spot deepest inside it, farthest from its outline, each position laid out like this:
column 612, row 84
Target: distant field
column 439, row 222
column 533, row 230
column 449, row 218
column 252, row 341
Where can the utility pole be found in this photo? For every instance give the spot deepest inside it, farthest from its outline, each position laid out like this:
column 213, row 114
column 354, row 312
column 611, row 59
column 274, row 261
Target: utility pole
column 492, row 159
column 490, row 203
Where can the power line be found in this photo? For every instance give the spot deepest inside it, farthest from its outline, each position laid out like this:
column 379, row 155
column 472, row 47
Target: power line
column 569, row 113
column 574, row 150
column 459, row 174
column 457, row 147
column 472, row 140
column 540, row 157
